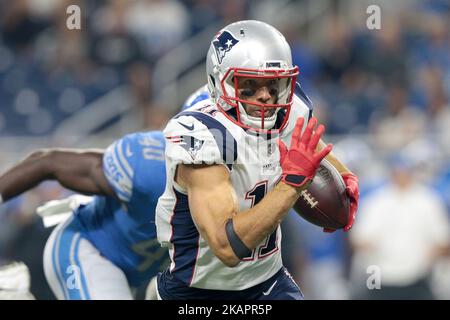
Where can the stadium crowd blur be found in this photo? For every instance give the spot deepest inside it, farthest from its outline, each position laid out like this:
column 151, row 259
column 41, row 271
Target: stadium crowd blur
column 379, row 92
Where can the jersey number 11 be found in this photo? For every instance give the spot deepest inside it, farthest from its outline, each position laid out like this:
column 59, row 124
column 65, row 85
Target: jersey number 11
column 270, row 244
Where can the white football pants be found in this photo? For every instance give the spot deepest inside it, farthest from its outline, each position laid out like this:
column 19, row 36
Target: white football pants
column 75, row 269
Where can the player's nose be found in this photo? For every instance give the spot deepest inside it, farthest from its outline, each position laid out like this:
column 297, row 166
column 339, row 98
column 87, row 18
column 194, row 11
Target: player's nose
column 263, row 94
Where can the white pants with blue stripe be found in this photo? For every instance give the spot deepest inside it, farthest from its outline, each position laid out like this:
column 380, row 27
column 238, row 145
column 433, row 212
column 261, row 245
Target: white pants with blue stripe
column 75, row 269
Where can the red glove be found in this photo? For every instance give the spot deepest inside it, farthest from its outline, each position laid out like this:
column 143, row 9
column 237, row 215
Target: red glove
column 351, row 181
column 352, row 189
column 300, row 162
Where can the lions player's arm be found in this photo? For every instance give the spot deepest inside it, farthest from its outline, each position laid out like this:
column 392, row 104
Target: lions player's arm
column 212, row 201
column 78, row 170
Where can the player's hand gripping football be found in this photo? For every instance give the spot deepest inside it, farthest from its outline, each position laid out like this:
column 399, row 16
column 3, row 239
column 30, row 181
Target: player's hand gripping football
column 352, row 190
column 301, row 161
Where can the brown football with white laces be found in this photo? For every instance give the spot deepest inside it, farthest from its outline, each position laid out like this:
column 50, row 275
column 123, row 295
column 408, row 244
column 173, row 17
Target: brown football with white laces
column 325, row 202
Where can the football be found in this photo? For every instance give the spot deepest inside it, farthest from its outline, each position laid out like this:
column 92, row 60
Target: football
column 325, row 202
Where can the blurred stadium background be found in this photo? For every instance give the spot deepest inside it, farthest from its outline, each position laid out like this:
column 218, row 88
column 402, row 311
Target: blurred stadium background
column 133, row 63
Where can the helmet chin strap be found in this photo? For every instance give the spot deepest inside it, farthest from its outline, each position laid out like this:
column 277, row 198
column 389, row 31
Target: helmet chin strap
column 256, row 122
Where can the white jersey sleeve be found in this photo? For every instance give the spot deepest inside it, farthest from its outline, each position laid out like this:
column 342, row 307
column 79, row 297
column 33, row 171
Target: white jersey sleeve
column 194, row 137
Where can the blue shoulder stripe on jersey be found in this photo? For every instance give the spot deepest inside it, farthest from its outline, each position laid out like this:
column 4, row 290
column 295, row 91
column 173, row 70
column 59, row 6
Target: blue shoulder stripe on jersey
column 302, row 95
column 118, row 170
column 185, row 238
column 124, row 195
column 225, row 141
column 121, row 160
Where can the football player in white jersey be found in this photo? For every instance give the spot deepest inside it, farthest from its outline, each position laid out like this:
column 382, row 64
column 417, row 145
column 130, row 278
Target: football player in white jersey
column 230, row 177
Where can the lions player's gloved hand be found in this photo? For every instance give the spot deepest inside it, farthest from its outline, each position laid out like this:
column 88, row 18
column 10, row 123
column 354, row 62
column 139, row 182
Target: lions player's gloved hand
column 352, row 189
column 300, row 162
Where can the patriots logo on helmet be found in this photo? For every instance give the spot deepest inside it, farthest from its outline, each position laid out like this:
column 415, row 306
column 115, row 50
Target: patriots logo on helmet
column 224, row 43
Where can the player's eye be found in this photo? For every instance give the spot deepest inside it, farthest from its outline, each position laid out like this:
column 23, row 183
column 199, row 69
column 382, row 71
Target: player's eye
column 248, row 92
column 273, row 92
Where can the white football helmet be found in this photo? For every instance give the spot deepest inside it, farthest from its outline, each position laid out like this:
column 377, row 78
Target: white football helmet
column 251, row 49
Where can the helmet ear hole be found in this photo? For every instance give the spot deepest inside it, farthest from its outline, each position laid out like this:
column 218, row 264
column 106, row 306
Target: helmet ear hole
column 213, row 82
column 212, row 86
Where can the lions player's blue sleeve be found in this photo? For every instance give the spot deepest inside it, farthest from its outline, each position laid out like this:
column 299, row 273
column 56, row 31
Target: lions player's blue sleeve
column 199, row 95
column 150, row 170
column 135, row 164
column 118, row 163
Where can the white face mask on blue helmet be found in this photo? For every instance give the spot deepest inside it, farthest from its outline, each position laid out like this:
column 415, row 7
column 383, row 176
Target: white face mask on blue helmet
column 250, row 49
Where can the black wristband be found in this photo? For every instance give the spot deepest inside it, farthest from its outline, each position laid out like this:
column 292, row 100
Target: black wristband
column 239, row 248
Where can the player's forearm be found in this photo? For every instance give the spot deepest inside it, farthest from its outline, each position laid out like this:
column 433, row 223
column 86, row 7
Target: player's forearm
column 257, row 223
column 212, row 201
column 251, row 226
column 341, row 168
column 77, row 170
column 24, row 176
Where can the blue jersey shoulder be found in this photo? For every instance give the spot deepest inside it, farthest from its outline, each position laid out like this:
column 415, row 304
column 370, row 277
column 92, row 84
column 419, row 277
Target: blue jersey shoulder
column 199, row 95
column 134, row 163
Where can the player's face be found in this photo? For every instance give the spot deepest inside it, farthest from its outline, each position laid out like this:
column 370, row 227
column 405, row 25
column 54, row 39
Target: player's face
column 263, row 91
